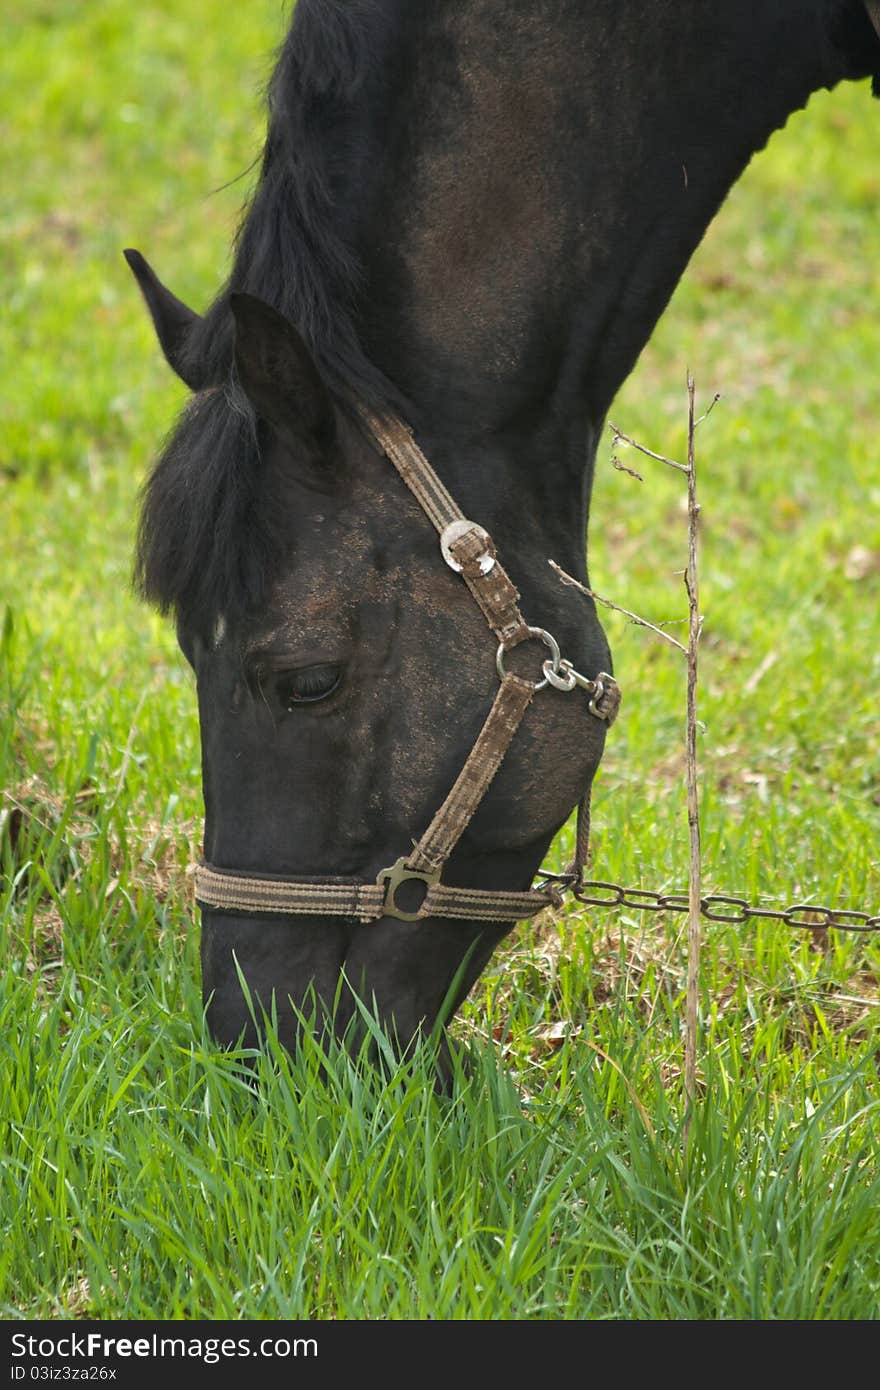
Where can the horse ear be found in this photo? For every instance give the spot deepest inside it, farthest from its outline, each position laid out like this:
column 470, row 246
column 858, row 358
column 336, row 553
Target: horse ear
column 172, row 320
column 278, row 373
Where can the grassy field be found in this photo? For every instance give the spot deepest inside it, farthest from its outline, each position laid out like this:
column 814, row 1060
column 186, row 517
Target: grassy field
column 143, row 1175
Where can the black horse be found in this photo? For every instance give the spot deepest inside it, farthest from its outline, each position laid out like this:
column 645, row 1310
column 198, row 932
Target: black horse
column 469, row 216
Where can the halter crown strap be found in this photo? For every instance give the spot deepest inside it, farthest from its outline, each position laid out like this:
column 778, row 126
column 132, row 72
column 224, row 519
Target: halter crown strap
column 466, row 547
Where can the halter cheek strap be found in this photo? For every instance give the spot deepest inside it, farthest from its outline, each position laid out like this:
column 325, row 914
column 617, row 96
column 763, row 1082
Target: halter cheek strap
column 468, row 550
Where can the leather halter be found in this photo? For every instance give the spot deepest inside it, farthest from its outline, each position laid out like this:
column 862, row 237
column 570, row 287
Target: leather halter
column 468, row 549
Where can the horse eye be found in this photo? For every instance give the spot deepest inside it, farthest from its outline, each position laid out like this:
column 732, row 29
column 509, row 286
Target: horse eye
column 307, row 685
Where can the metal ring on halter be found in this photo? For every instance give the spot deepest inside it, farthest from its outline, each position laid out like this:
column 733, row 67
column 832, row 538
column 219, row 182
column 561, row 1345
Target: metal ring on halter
column 549, row 641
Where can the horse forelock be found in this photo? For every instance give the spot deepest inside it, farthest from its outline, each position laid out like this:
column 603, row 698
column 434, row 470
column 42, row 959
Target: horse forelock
column 209, row 536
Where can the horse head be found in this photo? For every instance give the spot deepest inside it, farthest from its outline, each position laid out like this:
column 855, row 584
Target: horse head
column 345, row 674
column 468, row 220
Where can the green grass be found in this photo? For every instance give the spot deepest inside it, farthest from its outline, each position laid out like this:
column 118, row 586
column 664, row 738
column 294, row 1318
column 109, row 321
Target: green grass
column 143, row 1174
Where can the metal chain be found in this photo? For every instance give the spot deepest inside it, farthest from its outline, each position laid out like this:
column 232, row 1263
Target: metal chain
column 596, row 893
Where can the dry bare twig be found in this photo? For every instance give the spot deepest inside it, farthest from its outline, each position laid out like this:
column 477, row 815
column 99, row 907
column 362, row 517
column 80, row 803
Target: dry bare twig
column 695, row 624
column 621, row 438
column 695, row 884
column 606, row 602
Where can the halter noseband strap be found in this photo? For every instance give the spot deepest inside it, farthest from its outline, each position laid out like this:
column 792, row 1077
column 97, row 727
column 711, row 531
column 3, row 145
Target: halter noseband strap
column 469, row 551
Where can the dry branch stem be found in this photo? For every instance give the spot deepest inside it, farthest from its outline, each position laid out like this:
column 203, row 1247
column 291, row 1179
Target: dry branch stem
column 708, row 411
column 692, row 586
column 693, row 807
column 619, row 436
column 606, row 602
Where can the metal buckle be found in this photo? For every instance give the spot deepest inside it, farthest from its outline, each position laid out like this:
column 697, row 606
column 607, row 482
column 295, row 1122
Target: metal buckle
column 454, row 532
column 399, row 873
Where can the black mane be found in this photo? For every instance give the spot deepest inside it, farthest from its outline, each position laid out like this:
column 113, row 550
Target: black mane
column 295, row 246
column 207, row 541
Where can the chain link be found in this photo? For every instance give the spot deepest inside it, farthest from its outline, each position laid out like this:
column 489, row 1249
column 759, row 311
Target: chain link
column 722, row 907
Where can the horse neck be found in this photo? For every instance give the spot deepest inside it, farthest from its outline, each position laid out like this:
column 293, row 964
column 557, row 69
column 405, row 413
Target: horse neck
column 547, row 171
